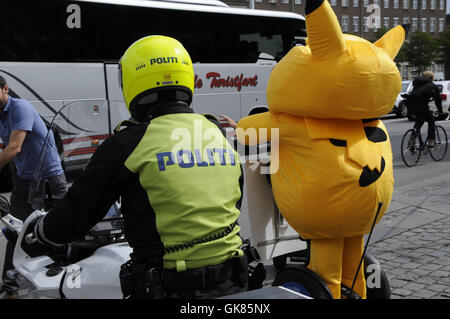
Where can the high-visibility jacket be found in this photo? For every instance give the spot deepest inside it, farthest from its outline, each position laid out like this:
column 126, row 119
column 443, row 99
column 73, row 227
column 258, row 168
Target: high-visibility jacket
column 179, row 181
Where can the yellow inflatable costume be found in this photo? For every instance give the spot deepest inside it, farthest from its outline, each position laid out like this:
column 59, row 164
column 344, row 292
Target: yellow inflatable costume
column 335, row 157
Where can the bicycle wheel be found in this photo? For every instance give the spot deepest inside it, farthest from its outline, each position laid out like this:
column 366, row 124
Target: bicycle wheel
column 411, row 149
column 438, row 152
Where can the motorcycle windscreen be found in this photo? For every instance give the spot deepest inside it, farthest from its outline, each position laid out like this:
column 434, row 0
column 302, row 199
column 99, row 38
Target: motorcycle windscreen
column 73, row 134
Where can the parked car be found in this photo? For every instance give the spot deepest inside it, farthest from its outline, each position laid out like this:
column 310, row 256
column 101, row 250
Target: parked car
column 400, row 106
column 444, row 87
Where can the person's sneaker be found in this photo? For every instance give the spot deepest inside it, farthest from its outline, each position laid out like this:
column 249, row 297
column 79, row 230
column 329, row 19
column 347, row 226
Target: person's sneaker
column 9, row 295
column 431, row 144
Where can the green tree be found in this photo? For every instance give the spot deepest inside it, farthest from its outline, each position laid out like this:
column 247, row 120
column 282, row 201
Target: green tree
column 444, row 51
column 421, row 51
column 380, row 32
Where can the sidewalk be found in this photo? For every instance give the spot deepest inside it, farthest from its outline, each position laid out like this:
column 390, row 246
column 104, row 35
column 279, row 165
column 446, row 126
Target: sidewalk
column 412, row 241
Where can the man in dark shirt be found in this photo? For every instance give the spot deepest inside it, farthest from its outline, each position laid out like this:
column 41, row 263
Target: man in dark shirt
column 423, row 91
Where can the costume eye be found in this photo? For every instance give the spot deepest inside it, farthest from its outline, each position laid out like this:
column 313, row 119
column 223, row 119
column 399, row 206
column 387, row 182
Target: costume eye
column 336, row 142
column 375, row 134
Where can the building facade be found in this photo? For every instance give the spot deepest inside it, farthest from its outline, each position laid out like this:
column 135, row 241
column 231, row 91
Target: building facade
column 365, row 17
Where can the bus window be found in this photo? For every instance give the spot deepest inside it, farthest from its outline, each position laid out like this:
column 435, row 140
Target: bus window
column 264, row 36
column 34, row 31
column 108, row 30
column 209, row 38
column 38, row 31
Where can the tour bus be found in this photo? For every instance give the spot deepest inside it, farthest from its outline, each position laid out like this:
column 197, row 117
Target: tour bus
column 56, row 52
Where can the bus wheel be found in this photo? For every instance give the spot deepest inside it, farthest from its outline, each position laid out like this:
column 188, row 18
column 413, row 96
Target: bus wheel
column 302, row 280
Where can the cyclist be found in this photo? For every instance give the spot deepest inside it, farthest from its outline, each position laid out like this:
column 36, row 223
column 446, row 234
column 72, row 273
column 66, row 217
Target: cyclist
column 417, row 101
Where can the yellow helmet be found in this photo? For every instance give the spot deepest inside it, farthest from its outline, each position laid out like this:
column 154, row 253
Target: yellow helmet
column 152, row 64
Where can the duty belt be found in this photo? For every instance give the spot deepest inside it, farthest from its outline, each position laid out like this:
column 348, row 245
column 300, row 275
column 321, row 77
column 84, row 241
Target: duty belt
column 198, row 278
column 141, row 280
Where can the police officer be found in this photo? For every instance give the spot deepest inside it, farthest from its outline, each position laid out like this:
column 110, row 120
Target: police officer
column 179, row 180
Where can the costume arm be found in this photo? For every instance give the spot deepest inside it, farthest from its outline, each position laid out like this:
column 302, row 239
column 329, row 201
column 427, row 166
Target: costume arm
column 256, row 129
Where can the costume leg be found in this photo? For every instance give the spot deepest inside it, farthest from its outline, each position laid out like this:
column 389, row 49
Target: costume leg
column 326, row 261
column 353, row 250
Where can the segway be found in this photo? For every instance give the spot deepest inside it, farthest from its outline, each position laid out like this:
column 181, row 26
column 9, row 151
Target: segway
column 276, row 240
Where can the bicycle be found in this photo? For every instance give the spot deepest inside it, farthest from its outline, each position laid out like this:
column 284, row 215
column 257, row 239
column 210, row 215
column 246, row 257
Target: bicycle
column 413, row 146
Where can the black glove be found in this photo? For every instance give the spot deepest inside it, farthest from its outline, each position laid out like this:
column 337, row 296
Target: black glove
column 35, row 245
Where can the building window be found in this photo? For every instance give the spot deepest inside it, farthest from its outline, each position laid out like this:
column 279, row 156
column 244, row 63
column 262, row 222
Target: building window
column 433, row 25
column 423, row 25
column 396, row 4
column 441, row 4
column 433, row 4
column 366, row 3
column 386, row 4
column 355, row 3
column 365, row 25
column 344, row 24
column 333, row 3
column 386, row 22
column 355, row 24
column 396, row 21
column 405, row 20
column 405, row 71
column 405, row 4
column 414, row 24
column 376, row 2
column 424, row 4
column 298, row 2
column 284, row 1
column 414, row 4
column 441, row 24
column 344, row 3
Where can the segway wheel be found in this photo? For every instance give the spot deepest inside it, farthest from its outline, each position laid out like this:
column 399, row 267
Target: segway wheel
column 381, row 291
column 303, row 281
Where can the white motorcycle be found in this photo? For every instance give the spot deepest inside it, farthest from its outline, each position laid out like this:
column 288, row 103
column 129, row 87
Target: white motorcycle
column 90, row 266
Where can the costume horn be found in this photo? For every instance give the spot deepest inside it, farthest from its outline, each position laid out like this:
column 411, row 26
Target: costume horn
column 325, row 37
